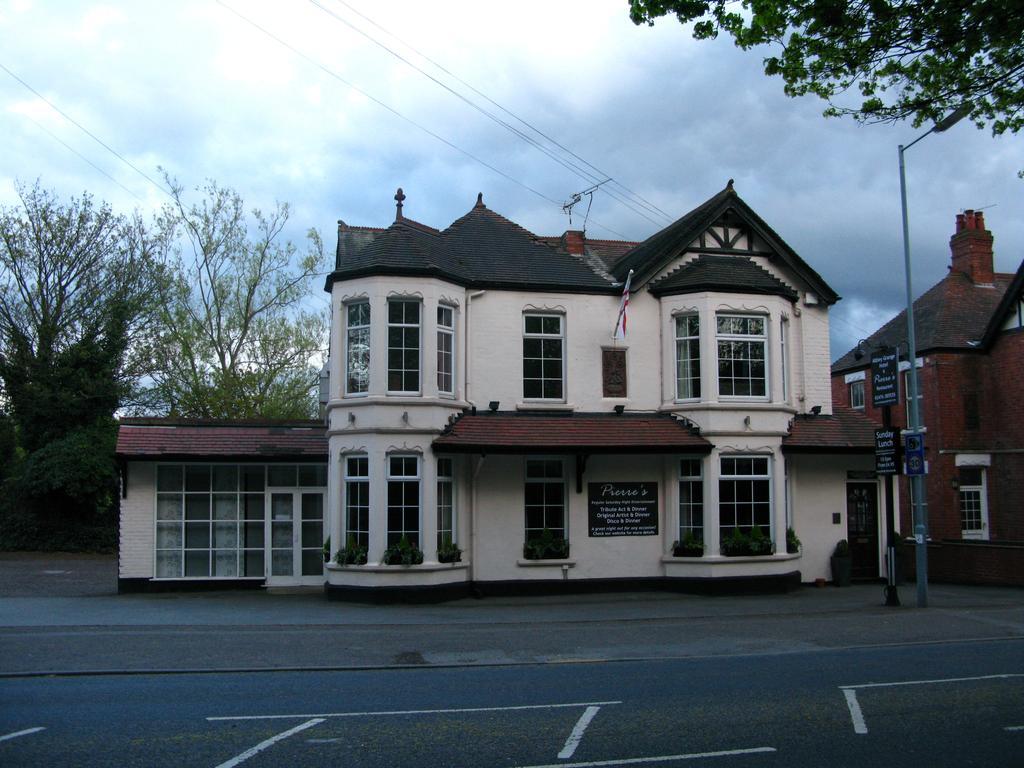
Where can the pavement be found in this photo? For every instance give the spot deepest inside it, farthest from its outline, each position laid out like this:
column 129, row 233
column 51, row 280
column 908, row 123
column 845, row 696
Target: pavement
column 61, row 614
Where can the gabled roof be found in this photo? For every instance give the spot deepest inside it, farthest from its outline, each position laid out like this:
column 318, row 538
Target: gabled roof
column 481, row 249
column 845, row 431
column 216, row 440
column 656, row 252
column 952, row 315
column 571, row 433
column 721, row 273
column 1011, row 296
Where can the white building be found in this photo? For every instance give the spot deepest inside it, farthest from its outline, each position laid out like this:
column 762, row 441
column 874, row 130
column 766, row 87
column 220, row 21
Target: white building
column 484, row 427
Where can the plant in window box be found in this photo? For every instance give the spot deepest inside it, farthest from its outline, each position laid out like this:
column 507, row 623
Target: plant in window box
column 736, row 544
column 448, row 552
column 547, row 546
column 403, row 553
column 760, row 544
column 690, row 546
column 792, row 542
column 327, row 550
column 351, row 554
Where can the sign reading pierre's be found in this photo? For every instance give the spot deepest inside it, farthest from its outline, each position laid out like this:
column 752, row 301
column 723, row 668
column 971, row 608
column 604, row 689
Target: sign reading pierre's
column 885, row 371
column 623, row 509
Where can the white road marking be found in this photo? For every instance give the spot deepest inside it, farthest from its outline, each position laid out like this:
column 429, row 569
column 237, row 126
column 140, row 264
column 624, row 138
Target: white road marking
column 850, row 693
column 1014, row 728
column 577, row 733
column 270, row 742
column 931, row 682
column 859, row 726
column 26, row 732
column 657, row 758
column 419, row 711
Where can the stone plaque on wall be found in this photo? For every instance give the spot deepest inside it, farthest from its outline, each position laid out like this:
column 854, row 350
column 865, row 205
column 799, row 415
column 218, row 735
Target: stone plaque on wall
column 613, row 372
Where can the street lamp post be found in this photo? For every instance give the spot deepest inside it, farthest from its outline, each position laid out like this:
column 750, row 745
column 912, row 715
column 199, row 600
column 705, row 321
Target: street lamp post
column 920, row 516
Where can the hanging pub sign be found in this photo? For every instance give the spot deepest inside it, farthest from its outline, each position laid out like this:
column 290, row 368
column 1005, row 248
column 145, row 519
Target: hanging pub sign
column 623, row 509
column 885, row 375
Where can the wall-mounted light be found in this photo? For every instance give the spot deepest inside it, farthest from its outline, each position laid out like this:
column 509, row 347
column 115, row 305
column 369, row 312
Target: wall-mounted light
column 619, row 409
column 405, row 416
column 493, row 405
column 351, row 418
column 955, row 482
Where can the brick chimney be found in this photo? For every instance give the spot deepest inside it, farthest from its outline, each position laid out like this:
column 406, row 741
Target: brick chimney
column 972, row 247
column 573, row 240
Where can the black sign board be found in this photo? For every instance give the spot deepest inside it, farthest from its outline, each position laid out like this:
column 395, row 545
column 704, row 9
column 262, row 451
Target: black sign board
column 623, row 509
column 887, row 451
column 885, row 375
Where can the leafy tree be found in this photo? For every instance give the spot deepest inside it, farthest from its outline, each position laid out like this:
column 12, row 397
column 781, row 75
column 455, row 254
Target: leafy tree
column 235, row 340
column 918, row 59
column 77, row 289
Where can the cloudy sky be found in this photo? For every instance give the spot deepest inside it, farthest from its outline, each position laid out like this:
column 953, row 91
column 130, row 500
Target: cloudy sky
column 328, row 120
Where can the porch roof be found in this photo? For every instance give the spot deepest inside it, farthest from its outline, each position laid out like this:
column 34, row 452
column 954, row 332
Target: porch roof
column 845, row 431
column 569, row 433
column 141, row 439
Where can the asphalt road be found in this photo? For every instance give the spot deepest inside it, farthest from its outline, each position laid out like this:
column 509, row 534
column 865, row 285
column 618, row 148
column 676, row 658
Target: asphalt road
column 949, row 704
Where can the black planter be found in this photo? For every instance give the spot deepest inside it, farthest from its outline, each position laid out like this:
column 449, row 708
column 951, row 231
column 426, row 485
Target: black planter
column 841, row 570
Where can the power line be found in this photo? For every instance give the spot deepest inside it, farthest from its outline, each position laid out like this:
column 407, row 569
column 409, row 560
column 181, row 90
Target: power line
column 581, row 172
column 71, row 149
column 640, row 199
column 86, row 131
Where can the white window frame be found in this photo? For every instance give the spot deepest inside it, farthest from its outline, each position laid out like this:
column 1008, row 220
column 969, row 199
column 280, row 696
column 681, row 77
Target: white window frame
column 353, row 332
column 980, row 494
column 543, row 336
column 395, row 535
column 766, row 527
column 857, row 394
column 446, row 335
column 446, row 484
column 690, row 342
column 748, row 339
column 783, row 358
column 353, row 480
column 686, row 465
column 402, row 371
column 561, row 481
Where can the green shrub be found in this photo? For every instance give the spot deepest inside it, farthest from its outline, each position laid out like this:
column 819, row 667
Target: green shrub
column 547, row 546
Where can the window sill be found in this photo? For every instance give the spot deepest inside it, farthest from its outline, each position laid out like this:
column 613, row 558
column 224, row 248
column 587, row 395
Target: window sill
column 544, row 405
column 566, row 563
column 717, row 559
column 378, row 568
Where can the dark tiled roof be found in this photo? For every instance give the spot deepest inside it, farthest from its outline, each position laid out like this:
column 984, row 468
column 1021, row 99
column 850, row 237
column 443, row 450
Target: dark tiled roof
column 659, row 249
column 722, row 273
column 505, row 432
column 480, row 249
column 140, row 439
column 1011, row 295
column 605, row 252
column 845, row 431
column 953, row 314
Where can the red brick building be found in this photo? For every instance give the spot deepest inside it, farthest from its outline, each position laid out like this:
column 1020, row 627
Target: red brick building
column 970, row 346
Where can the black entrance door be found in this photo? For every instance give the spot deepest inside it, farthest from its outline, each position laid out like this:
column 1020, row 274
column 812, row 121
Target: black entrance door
column 862, row 528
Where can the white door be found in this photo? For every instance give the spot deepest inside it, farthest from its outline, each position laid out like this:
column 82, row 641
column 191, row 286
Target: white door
column 296, row 536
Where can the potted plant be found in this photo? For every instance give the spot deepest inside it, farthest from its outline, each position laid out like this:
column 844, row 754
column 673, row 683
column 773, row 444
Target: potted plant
column 547, row 546
column 404, row 552
column 760, row 545
column 792, row 542
column 842, row 564
column 448, row 552
column 327, row 550
column 351, row 554
column 690, row 546
column 735, row 544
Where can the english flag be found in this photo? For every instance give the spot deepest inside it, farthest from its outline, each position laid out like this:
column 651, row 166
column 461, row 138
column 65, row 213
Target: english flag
column 620, row 323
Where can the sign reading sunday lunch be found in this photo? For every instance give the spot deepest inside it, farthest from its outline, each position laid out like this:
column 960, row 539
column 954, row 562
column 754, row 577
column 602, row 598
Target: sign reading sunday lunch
column 885, row 374
column 623, row 509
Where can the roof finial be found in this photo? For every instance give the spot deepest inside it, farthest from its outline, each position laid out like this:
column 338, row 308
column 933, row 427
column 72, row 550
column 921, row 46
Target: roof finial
column 399, row 197
column 480, row 199
column 729, row 185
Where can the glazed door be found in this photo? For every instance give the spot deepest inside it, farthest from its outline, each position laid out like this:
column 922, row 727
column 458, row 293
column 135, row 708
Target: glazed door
column 862, row 528
column 296, row 537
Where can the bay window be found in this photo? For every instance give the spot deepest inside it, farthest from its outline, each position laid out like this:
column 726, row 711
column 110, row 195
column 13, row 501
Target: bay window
column 445, row 350
column 357, row 348
column 357, row 501
column 445, row 503
column 742, row 356
column 403, row 500
column 691, row 500
column 687, row 357
column 744, row 495
column 404, row 346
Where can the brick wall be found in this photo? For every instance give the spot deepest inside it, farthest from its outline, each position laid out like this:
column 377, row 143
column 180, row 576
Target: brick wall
column 969, row 562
